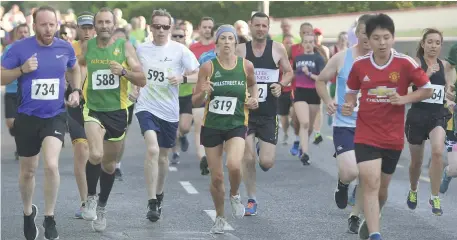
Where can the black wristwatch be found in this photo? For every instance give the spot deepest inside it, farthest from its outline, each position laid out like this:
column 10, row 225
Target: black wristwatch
column 184, row 79
column 78, row 90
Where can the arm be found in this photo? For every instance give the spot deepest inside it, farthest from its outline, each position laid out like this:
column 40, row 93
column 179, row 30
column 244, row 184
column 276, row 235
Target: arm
column 251, row 82
column 450, row 74
column 191, row 65
column 199, row 96
column 191, row 77
column 353, row 86
column 284, row 62
column 419, row 78
column 11, row 66
column 330, row 71
column 74, row 76
column 82, row 56
column 136, row 75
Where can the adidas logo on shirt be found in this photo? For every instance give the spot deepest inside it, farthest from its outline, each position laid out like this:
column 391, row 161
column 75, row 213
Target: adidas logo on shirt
column 366, row 79
column 217, row 74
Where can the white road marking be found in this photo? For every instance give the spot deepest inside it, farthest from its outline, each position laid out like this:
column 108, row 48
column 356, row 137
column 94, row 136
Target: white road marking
column 172, row 169
column 400, row 166
column 212, row 215
column 188, row 187
column 424, row 178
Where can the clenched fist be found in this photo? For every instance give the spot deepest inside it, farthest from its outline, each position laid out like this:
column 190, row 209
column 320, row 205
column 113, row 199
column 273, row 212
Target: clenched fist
column 30, row 65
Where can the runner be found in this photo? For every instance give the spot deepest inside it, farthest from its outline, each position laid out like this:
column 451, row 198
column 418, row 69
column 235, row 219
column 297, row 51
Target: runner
column 285, row 100
column 307, row 67
column 20, row 32
column 185, row 107
column 383, row 76
column 106, row 109
column 267, row 56
column 225, row 81
column 205, row 44
column 428, row 119
column 338, row 68
column 41, row 117
column 75, row 119
column 164, row 63
column 450, row 171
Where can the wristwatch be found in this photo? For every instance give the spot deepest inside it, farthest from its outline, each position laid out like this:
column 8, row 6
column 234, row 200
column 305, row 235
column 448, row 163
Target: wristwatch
column 123, row 72
column 78, row 90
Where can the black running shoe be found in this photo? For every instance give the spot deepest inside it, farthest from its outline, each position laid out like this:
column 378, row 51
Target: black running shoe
column 50, row 231
column 353, row 224
column 341, row 195
column 159, row 203
column 153, row 210
column 30, row 228
column 204, row 166
column 184, row 143
column 304, row 159
column 118, row 174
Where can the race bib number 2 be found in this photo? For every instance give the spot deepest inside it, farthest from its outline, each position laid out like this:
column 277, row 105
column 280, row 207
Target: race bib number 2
column 438, row 95
column 223, row 105
column 45, row 89
column 104, row 80
column 263, row 91
column 157, row 77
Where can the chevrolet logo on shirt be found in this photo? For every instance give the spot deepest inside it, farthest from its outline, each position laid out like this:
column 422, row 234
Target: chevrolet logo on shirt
column 381, row 91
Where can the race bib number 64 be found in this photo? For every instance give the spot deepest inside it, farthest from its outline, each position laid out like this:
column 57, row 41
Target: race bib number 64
column 223, row 105
column 104, row 80
column 438, row 95
column 45, row 89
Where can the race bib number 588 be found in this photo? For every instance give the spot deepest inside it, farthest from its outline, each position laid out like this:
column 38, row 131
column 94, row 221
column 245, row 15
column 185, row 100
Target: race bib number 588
column 223, row 105
column 45, row 89
column 104, row 80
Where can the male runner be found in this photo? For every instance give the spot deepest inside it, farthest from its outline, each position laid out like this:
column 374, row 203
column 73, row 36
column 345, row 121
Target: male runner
column 383, row 76
column 164, row 64
column 285, row 100
column 205, row 44
column 75, row 119
column 105, row 110
column 20, row 32
column 266, row 55
column 39, row 64
column 339, row 67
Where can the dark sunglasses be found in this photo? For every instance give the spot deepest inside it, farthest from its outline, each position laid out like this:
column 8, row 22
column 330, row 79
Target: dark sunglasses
column 177, row 36
column 159, row 26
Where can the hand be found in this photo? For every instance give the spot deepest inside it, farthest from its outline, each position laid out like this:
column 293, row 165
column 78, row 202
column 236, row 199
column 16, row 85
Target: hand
column 252, row 103
column 305, row 70
column 73, row 99
column 30, row 65
column 432, row 69
column 396, row 99
column 115, row 68
column 276, row 89
column 173, row 80
column 331, row 107
column 450, row 95
column 207, row 86
column 347, row 109
column 450, row 105
column 134, row 94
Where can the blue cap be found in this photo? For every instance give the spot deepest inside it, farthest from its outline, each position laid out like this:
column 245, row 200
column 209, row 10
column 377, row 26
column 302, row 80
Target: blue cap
column 85, row 19
column 226, row 28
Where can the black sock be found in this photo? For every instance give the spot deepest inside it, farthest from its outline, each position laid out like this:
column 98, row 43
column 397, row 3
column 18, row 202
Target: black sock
column 106, row 184
column 92, row 175
column 12, row 133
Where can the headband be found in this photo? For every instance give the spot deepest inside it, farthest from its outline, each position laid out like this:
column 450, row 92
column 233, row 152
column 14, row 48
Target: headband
column 224, row 29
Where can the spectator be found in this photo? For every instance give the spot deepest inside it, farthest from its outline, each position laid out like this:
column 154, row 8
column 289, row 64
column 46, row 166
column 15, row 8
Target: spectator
column 341, row 44
column 120, row 22
column 286, row 30
column 136, row 32
column 242, row 30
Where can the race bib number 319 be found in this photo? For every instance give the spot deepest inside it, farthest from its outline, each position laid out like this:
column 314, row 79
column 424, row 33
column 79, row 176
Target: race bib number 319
column 104, row 80
column 223, row 105
column 45, row 89
column 438, row 95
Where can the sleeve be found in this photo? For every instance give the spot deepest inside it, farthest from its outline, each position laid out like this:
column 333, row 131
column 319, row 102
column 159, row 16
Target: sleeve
column 354, row 82
column 71, row 57
column 416, row 75
column 11, row 58
column 452, row 57
column 189, row 61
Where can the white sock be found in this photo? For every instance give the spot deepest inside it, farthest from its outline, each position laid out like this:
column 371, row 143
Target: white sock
column 297, row 138
column 118, row 165
column 433, row 197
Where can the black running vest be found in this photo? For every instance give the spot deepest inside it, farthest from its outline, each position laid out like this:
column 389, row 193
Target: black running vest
column 266, row 73
column 438, row 81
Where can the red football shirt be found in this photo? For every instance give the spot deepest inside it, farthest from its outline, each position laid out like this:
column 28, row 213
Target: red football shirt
column 198, row 49
column 380, row 123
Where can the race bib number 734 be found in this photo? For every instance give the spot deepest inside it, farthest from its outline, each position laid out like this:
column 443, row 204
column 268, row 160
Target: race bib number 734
column 223, row 105
column 104, row 80
column 45, row 89
column 438, row 95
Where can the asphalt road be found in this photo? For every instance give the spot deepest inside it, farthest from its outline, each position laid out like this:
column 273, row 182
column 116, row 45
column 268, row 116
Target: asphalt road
column 294, row 201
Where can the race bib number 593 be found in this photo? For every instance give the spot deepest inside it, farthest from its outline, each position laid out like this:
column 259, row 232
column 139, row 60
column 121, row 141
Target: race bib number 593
column 438, row 95
column 223, row 105
column 104, row 80
column 45, row 89
column 157, row 77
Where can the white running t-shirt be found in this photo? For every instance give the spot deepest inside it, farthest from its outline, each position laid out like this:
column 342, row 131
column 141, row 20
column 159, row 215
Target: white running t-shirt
column 159, row 62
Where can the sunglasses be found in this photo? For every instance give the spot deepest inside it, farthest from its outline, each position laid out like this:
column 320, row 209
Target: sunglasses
column 159, row 26
column 177, row 36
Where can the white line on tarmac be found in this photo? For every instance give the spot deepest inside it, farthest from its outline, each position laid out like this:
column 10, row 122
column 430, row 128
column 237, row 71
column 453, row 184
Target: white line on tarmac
column 188, row 187
column 172, row 169
column 212, row 215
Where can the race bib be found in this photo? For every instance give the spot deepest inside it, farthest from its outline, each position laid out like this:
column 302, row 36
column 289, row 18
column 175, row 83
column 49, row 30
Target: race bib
column 45, row 89
column 104, row 80
column 223, row 105
column 263, row 91
column 438, row 95
column 359, row 95
column 157, row 77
